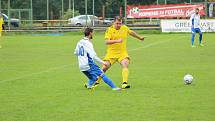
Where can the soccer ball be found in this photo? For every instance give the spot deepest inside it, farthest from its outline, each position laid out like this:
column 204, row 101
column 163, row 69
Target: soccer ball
column 188, row 79
column 135, row 10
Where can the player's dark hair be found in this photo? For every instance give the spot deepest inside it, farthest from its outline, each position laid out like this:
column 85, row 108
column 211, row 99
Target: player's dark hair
column 119, row 18
column 87, row 31
column 197, row 8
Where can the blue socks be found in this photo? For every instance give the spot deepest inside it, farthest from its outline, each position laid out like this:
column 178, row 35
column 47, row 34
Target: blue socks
column 200, row 38
column 108, row 81
column 193, row 38
column 105, row 79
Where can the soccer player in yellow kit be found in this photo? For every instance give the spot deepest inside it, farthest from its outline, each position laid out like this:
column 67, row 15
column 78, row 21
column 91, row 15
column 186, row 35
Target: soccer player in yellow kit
column 1, row 23
column 116, row 40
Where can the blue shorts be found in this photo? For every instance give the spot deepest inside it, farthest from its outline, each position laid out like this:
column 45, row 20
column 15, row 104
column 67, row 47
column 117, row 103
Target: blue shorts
column 196, row 30
column 93, row 73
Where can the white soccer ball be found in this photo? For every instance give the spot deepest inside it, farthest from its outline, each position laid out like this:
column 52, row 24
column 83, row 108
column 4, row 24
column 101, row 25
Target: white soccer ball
column 188, row 79
column 135, row 10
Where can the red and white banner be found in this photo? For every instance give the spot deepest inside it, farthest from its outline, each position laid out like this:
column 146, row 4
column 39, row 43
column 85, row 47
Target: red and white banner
column 163, row 11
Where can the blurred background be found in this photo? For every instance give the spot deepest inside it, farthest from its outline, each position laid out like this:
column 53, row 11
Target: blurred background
column 67, row 15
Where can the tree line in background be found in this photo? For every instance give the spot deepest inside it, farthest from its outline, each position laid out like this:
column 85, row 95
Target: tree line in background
column 108, row 8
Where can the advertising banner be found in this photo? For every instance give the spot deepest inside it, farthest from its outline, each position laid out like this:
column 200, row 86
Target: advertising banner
column 163, row 11
column 184, row 25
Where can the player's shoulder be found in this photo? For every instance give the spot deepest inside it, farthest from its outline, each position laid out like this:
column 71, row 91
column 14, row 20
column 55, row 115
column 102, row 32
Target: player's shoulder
column 124, row 27
column 83, row 41
column 192, row 15
column 110, row 28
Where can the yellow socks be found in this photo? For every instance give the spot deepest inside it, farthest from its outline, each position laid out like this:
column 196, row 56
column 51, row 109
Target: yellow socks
column 125, row 73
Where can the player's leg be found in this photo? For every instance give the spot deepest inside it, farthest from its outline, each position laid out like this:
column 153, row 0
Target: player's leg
column 90, row 84
column 110, row 62
column 98, row 80
column 97, row 72
column 109, row 82
column 200, row 37
column 125, row 72
column 193, row 37
column 104, row 68
column 91, row 78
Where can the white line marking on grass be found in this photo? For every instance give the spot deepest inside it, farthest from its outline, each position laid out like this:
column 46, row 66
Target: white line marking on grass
column 64, row 66
column 37, row 73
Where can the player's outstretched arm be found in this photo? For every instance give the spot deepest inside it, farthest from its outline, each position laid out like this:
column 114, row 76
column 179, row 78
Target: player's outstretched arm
column 109, row 42
column 134, row 34
column 96, row 58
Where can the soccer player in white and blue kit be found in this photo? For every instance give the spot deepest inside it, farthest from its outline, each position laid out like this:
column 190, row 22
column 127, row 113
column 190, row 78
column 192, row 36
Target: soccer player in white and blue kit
column 86, row 56
column 195, row 20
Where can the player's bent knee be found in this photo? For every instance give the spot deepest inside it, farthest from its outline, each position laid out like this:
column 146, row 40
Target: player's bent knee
column 105, row 68
column 125, row 63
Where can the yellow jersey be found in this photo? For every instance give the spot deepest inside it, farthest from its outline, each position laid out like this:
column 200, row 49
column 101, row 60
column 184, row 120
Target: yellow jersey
column 117, row 49
column 1, row 23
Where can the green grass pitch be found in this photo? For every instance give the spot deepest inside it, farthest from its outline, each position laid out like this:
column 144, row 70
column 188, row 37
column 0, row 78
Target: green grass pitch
column 40, row 80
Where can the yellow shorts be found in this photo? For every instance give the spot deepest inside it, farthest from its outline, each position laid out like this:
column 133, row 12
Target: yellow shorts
column 112, row 60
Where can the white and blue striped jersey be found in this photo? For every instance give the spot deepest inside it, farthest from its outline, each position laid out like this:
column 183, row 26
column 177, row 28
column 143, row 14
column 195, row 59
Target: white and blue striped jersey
column 86, row 54
column 195, row 20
